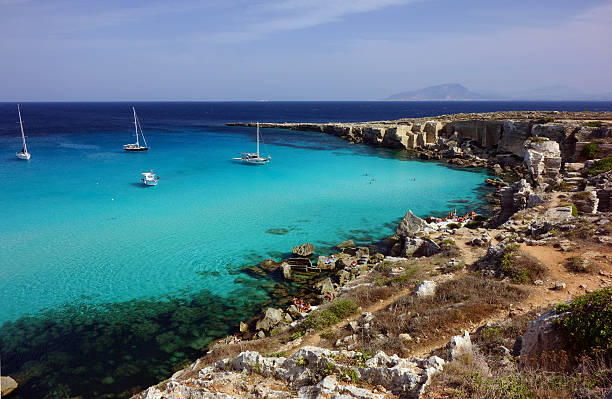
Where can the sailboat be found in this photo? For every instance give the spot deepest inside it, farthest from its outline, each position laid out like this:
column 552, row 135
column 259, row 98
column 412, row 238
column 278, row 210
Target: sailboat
column 136, row 146
column 23, row 154
column 254, row 158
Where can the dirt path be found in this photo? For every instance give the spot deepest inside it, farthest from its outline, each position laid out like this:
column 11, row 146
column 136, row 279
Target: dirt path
column 540, row 296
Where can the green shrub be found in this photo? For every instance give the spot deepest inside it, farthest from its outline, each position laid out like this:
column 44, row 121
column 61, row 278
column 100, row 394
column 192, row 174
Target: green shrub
column 339, row 309
column 561, row 186
column 587, row 322
column 473, row 224
column 574, row 209
column 590, row 150
column 522, row 268
column 601, row 166
column 579, row 264
column 594, row 124
column 453, row 225
column 537, row 139
column 448, row 241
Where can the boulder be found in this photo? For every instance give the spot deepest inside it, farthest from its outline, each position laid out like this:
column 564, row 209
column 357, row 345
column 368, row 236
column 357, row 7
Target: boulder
column 411, row 244
column 460, row 345
column 272, row 317
column 541, row 337
column 427, row 248
column 586, row 202
column 346, row 244
column 269, row 265
column 410, row 224
column 286, row 270
column 303, row 250
column 8, row 385
column 425, row 288
column 244, row 327
column 326, row 286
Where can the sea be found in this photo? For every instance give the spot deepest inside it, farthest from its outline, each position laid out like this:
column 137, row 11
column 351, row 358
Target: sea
column 108, row 286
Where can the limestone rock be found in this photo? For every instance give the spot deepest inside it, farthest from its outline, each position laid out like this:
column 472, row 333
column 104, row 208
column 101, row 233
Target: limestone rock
column 411, row 244
column 425, row 288
column 410, row 225
column 346, row 244
column 540, row 337
column 269, row 265
column 8, row 385
column 272, row 317
column 460, row 345
column 286, row 270
column 586, row 202
column 303, row 250
column 543, row 161
column 427, row 248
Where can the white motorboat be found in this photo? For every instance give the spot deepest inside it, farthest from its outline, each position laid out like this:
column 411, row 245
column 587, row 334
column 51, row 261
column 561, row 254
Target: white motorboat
column 149, row 179
column 254, row 158
column 23, row 154
column 138, row 129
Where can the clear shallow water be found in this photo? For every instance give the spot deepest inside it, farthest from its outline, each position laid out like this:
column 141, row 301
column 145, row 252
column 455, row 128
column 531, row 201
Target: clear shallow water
column 113, row 269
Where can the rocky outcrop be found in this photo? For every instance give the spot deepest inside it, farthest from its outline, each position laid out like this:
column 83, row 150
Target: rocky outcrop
column 271, row 319
column 8, row 385
column 519, row 195
column 602, row 184
column 586, row 202
column 460, row 345
column 541, row 337
column 410, row 225
column 543, row 161
column 311, row 372
column 425, row 288
column 303, row 250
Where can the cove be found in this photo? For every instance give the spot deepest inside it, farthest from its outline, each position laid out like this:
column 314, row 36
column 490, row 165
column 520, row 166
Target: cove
column 108, row 286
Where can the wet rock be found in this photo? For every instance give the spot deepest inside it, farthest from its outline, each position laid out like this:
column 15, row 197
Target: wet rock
column 410, row 224
column 346, row 244
column 8, row 385
column 269, row 265
column 425, row 288
column 303, row 250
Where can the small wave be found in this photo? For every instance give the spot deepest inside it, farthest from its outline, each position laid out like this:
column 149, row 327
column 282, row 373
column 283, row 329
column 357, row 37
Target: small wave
column 80, row 146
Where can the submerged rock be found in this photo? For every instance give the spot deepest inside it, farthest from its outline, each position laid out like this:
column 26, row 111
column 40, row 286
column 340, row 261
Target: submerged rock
column 303, row 250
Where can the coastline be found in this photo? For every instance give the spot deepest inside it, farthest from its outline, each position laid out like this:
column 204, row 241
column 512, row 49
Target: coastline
column 507, row 148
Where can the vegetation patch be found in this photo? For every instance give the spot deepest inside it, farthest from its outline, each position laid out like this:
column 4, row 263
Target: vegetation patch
column 594, row 124
column 578, row 264
column 601, row 166
column 590, row 150
column 586, row 322
column 322, row 319
column 521, row 267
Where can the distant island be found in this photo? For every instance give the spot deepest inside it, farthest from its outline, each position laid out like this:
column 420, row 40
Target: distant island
column 458, row 92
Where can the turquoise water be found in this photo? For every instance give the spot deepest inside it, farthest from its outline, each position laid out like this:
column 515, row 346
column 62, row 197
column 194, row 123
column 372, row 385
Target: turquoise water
column 77, row 225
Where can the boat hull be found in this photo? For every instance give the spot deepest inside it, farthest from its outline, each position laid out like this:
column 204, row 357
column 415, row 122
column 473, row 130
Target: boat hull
column 149, row 183
column 23, row 155
column 139, row 149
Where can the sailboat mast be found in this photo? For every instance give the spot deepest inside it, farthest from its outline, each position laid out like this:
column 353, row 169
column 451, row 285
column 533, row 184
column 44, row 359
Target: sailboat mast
column 25, row 147
column 135, row 126
column 257, row 139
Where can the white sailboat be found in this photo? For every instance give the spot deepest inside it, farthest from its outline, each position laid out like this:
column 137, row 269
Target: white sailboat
column 23, row 154
column 254, row 158
column 136, row 146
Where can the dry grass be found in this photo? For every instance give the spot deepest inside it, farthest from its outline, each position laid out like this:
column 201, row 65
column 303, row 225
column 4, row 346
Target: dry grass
column 457, row 301
column 578, row 264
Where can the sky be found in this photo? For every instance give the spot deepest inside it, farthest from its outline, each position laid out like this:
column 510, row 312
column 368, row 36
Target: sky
column 240, row 50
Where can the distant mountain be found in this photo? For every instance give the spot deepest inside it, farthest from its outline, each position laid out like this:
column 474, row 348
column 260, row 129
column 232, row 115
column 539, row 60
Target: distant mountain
column 456, row 91
column 448, row 91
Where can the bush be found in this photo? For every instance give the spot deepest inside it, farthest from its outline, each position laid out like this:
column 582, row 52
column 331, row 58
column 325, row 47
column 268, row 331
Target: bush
column 594, row 124
column 453, row 225
column 473, row 224
column 578, row 264
column 587, row 323
column 521, row 267
column 339, row 309
column 590, row 150
column 601, row 166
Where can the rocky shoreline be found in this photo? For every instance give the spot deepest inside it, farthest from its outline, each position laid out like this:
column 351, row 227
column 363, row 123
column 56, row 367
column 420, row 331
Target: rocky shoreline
column 543, row 193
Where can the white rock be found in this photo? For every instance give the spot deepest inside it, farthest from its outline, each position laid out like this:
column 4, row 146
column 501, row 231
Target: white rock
column 425, row 288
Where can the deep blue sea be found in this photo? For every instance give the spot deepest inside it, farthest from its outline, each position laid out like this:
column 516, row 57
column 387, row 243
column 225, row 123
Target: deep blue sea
column 107, row 286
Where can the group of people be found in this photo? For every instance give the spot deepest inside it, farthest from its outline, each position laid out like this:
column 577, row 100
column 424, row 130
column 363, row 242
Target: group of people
column 299, row 303
column 452, row 217
column 351, row 266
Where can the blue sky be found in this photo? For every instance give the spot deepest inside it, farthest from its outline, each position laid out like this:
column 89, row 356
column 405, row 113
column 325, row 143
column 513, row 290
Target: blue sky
column 84, row 50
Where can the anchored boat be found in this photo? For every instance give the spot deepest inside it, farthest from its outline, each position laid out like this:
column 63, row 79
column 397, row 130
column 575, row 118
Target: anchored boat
column 254, row 158
column 23, row 154
column 136, row 146
column 149, row 178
